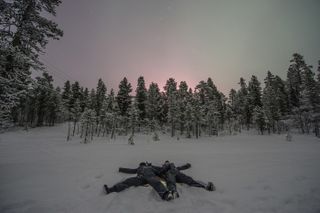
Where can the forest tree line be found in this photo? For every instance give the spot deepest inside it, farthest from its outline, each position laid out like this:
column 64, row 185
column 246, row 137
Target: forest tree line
column 177, row 109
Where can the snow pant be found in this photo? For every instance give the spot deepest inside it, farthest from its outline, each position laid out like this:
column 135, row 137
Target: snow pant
column 173, row 177
column 153, row 181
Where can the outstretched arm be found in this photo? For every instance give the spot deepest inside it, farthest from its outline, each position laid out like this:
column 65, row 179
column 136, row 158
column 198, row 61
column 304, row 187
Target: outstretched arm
column 128, row 170
column 184, row 167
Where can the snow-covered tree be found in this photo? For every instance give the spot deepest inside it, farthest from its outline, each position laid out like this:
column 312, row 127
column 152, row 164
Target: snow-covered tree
column 54, row 108
column 24, row 33
column 303, row 93
column 189, row 118
column 100, row 96
column 141, row 99
column 294, row 79
column 182, row 98
column 84, row 98
column 153, row 102
column 259, row 118
column 76, row 115
column 133, row 116
column 88, row 120
column 171, row 93
column 66, row 95
column 271, row 107
column 123, row 96
column 243, row 109
column 254, row 92
column 92, row 100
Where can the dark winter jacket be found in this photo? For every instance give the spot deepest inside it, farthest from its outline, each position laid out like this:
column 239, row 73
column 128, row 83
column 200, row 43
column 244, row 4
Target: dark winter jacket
column 172, row 168
column 150, row 170
column 144, row 171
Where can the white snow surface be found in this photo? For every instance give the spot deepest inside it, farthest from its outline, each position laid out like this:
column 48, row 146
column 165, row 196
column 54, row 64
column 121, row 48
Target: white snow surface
column 41, row 172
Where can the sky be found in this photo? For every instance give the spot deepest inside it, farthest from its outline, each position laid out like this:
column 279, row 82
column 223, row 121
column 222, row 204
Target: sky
column 188, row 40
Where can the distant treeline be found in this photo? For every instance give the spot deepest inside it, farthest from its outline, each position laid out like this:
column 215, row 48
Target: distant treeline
column 180, row 110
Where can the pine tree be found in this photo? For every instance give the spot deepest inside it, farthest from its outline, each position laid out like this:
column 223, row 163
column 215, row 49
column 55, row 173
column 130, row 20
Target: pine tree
column 303, row 95
column 309, row 99
column 76, row 114
column 111, row 101
column 54, row 108
column 153, row 102
column 24, row 33
column 243, row 102
column 171, row 93
column 182, row 96
column 133, row 116
column 141, row 98
column 100, row 96
column 88, row 120
column 254, row 92
column 232, row 99
column 92, row 100
column 294, row 79
column 75, row 93
column 163, row 106
column 189, row 118
column 259, row 118
column 270, row 103
column 198, row 113
column 281, row 95
column 43, row 91
column 66, row 94
column 123, row 96
column 84, row 99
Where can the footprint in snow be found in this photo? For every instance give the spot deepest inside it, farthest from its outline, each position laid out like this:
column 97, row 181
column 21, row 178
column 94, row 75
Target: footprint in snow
column 98, row 176
column 86, row 186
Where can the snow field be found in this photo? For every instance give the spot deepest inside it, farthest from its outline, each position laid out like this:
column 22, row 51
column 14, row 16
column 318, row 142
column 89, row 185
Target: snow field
column 41, row 172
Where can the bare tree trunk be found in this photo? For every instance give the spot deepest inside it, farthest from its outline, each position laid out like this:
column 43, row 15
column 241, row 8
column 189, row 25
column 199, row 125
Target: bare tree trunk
column 74, row 127
column 92, row 131
column 69, row 129
column 86, row 134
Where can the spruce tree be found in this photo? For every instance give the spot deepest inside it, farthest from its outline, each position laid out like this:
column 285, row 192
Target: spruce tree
column 44, row 88
column 270, row 103
column 171, row 93
column 294, row 79
column 141, row 98
column 75, row 93
column 182, row 96
column 154, row 102
column 123, row 96
column 66, row 96
column 254, row 92
column 133, row 116
column 84, row 98
column 243, row 102
column 88, row 120
column 24, row 33
column 100, row 96
column 259, row 118
column 92, row 100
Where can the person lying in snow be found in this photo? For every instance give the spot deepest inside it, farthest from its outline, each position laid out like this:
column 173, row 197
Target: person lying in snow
column 146, row 174
column 150, row 174
column 172, row 175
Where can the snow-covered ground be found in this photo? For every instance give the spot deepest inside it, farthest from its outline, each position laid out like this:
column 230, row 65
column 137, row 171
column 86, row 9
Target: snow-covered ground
column 41, row 172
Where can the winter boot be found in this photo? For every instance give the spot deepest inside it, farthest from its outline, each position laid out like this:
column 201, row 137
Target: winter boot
column 167, row 196
column 106, row 189
column 210, row 187
column 175, row 194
